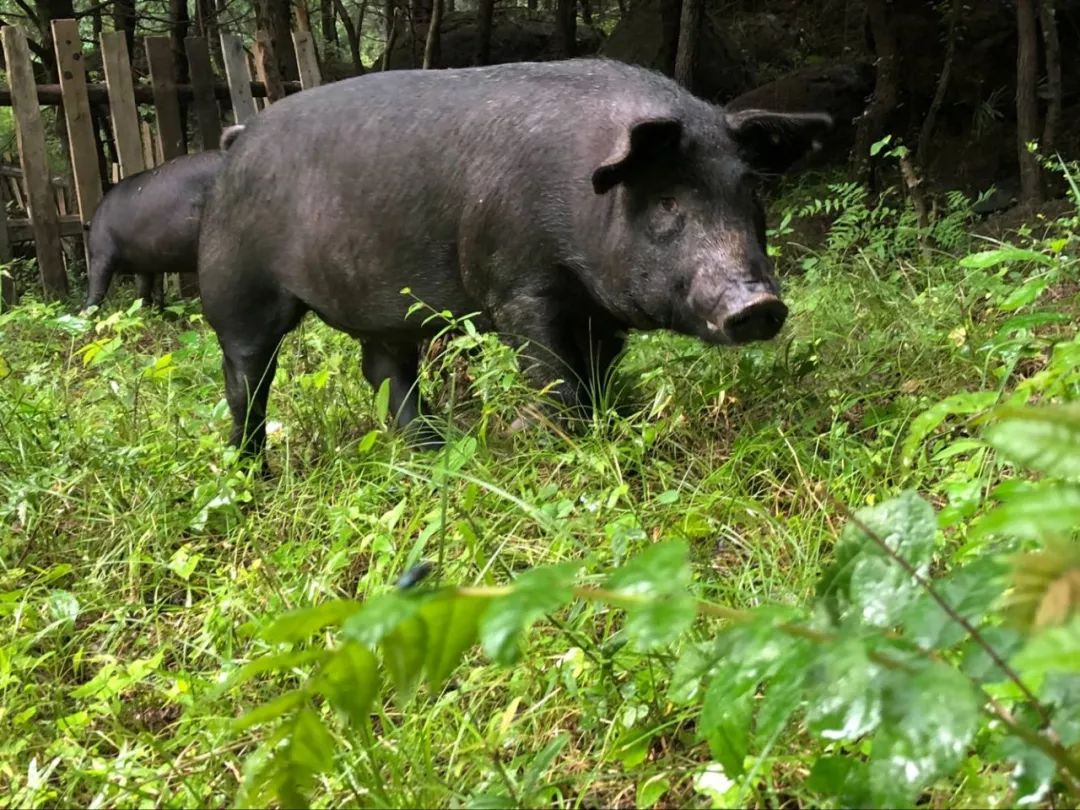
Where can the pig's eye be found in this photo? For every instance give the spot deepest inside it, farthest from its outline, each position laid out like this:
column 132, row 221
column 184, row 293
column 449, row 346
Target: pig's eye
column 669, row 204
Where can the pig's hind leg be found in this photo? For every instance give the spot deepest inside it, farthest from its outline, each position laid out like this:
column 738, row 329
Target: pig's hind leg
column 250, row 335
column 150, row 287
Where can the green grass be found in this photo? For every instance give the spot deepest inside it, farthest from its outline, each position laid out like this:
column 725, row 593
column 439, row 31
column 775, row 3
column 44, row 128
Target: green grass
column 138, row 560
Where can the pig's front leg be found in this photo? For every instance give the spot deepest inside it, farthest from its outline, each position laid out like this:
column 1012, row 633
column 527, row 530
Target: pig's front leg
column 549, row 358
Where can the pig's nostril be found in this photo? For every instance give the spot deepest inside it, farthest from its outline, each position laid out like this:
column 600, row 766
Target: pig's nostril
column 761, row 320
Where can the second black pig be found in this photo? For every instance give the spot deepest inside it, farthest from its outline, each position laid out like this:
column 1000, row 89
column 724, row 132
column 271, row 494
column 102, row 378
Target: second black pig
column 148, row 224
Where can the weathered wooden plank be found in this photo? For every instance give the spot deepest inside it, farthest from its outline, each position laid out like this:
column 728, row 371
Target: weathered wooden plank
column 207, row 111
column 30, row 135
column 80, row 124
column 125, row 117
column 170, row 132
column 146, row 138
column 305, row 59
column 238, row 77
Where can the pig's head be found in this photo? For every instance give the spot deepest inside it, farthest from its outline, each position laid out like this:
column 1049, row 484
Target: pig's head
column 685, row 242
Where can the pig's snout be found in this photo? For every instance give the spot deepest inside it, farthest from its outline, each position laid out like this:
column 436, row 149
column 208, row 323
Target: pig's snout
column 761, row 319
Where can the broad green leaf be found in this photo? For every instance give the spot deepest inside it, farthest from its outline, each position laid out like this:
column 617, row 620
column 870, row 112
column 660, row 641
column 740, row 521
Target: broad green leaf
column 784, row 689
column 845, row 780
column 1046, row 509
column 1033, row 772
column 1031, row 321
column 695, row 664
column 956, row 405
column 271, row 663
column 1046, row 439
column 989, row 258
column 63, row 606
column 661, row 620
column 929, row 719
column 540, row 764
column 1025, row 294
column 403, row 650
column 977, row 664
column 264, row 771
column 846, row 699
column 535, row 593
column 651, row 791
column 452, row 624
column 302, row 623
column 379, row 616
column 311, row 747
column 350, row 681
column 382, row 401
column 971, row 591
column 725, row 717
column 660, row 569
column 1056, row 649
column 866, row 582
column 270, row 711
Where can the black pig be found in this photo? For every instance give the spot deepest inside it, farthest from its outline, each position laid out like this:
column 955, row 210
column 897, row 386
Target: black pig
column 564, row 201
column 148, row 223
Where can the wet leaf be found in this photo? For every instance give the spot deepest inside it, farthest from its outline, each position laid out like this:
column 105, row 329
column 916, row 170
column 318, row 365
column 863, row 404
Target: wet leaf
column 301, row 624
column 403, row 651
column 725, row 717
column 350, row 681
column 1046, row 439
column 928, row 722
column 535, row 594
column 452, row 624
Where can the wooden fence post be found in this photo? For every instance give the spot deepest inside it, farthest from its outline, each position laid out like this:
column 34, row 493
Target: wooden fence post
column 305, row 59
column 159, row 55
column 170, row 132
column 125, row 118
column 202, row 87
column 238, row 77
column 7, row 284
column 80, row 124
column 30, row 135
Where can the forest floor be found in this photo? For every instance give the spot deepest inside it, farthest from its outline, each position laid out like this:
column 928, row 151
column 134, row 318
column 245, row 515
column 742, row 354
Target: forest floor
column 138, row 560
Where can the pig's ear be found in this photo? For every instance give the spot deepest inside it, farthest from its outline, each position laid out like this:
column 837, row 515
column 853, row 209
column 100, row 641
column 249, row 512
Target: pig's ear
column 771, row 142
column 641, row 144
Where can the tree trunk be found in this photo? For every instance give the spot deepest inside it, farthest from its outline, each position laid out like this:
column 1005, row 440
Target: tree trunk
column 329, row 21
column 95, row 23
column 391, row 38
column 689, row 36
column 485, row 11
column 124, row 20
column 670, row 22
column 566, row 18
column 886, row 92
column 431, row 47
column 275, row 18
column 179, row 23
column 1027, row 110
column 533, row 5
column 927, row 131
column 352, row 33
column 586, row 11
column 1052, row 125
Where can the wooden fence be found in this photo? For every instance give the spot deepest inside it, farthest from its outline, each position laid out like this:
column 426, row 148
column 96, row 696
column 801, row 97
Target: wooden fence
column 51, row 215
